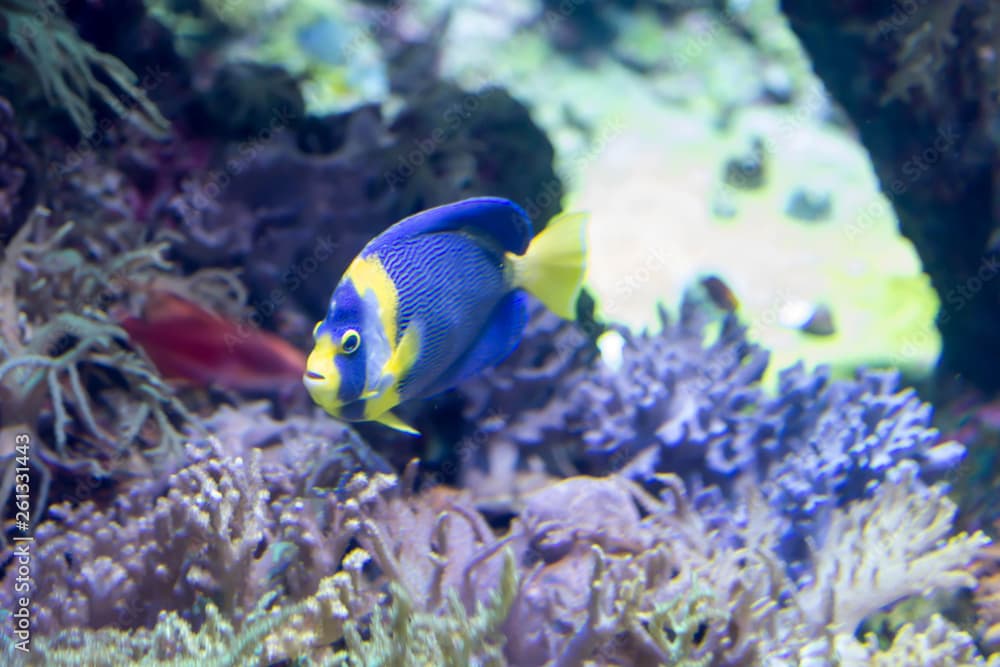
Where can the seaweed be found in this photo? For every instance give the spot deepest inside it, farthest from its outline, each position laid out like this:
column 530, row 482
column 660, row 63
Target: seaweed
column 71, row 72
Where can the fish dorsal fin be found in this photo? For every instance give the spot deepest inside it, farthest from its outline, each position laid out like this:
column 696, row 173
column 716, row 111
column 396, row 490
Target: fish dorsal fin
column 500, row 219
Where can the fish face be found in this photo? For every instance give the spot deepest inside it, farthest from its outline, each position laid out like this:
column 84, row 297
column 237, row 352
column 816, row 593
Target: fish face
column 345, row 369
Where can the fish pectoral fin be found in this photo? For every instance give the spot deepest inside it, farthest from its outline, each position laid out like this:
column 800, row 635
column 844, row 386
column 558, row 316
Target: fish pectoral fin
column 394, row 422
column 404, row 356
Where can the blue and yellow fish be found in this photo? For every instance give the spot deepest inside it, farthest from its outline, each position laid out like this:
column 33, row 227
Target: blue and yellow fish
column 435, row 299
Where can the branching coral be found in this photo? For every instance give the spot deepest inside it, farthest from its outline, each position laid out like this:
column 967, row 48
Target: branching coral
column 683, row 404
column 987, row 597
column 644, row 580
column 882, row 550
column 67, row 67
column 679, row 405
column 66, row 371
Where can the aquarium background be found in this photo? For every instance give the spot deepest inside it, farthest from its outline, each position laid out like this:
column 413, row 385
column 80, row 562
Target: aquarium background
column 769, row 438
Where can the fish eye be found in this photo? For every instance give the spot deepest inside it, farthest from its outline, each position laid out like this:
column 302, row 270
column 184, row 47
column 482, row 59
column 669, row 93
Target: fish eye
column 350, row 341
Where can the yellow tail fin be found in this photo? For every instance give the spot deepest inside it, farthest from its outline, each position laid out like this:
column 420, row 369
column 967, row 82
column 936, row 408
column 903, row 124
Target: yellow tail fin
column 554, row 265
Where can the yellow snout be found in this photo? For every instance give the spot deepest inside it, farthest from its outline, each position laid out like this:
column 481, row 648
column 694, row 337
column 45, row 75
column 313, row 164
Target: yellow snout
column 322, row 380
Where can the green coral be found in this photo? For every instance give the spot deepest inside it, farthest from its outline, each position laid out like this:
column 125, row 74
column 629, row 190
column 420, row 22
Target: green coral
column 171, row 642
column 69, row 69
column 403, row 634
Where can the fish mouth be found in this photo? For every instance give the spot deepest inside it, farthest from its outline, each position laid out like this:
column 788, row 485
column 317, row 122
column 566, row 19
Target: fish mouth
column 318, row 387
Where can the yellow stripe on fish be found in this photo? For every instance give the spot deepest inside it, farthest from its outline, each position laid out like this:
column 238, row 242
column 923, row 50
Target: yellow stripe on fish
column 367, row 273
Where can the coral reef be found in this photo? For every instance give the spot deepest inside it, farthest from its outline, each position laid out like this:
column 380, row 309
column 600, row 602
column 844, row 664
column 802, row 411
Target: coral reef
column 663, row 568
column 685, row 402
column 67, row 372
column 919, row 82
column 642, row 580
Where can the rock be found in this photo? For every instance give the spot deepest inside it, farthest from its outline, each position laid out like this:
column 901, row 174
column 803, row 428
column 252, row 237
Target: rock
column 810, row 318
column 747, row 171
column 777, row 83
column 809, row 204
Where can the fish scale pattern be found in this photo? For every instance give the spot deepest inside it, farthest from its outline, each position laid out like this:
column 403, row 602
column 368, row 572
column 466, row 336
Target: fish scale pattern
column 454, row 283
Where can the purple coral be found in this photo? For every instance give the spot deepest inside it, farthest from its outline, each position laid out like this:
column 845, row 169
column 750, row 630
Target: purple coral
column 840, row 439
column 682, row 406
column 680, row 402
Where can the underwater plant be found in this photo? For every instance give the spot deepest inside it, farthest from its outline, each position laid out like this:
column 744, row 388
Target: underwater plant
column 64, row 65
column 67, row 372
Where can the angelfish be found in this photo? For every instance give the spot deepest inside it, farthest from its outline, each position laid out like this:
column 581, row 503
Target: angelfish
column 435, row 299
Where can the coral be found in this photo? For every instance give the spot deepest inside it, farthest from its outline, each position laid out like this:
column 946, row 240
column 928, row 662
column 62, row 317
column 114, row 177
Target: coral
column 230, row 531
column 886, row 548
column 112, row 568
column 65, row 66
column 675, row 395
column 685, row 402
column 172, row 641
column 407, row 635
column 839, row 439
column 67, row 373
column 938, row 645
column 987, row 597
column 519, row 398
column 590, row 569
column 672, row 398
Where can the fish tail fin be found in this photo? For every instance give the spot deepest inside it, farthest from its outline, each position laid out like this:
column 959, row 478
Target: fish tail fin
column 554, row 265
